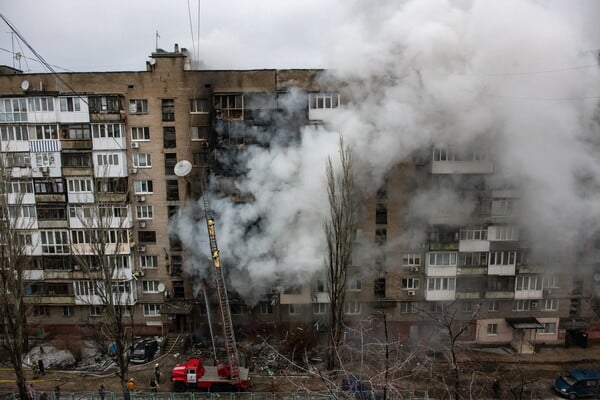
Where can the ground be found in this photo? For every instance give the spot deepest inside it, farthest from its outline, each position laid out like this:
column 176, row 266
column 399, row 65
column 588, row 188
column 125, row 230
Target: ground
column 535, row 371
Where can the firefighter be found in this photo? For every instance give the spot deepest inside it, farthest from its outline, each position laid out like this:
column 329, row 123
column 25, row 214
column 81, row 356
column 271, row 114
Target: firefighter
column 216, row 260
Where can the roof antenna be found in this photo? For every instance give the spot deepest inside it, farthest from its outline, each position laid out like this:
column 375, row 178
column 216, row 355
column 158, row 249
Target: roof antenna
column 157, row 37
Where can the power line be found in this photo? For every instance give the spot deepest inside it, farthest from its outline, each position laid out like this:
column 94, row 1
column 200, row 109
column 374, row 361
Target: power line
column 191, row 25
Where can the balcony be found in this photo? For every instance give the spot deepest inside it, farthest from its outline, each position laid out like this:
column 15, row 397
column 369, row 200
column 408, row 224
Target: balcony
column 477, row 270
column 462, row 167
column 500, row 294
column 440, row 295
column 53, row 224
column 464, row 295
column 50, row 299
column 77, row 171
column 76, row 144
column 50, row 198
column 528, row 294
column 506, row 270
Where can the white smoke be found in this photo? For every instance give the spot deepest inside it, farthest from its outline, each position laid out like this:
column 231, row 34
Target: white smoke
column 422, row 73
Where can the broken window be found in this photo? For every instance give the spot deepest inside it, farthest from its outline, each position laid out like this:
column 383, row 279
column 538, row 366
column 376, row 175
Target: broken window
column 380, row 236
column 381, row 214
column 169, row 137
column 199, row 106
column 229, row 106
column 138, row 106
column 172, row 189
column 147, row 237
column 200, row 133
column 168, row 110
column 172, row 211
column 379, row 287
column 170, row 161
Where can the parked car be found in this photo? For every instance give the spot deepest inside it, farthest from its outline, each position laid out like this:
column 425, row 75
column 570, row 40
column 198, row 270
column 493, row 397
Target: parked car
column 144, row 351
column 578, row 383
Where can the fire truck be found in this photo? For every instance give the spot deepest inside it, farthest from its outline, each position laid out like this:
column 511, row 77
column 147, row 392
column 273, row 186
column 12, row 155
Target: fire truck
column 193, row 374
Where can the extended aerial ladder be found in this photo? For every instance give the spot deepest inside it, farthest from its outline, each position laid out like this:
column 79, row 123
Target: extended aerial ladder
column 230, row 344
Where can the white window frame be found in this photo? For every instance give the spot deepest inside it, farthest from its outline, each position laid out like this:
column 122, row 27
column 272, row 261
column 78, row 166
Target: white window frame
column 320, row 308
column 411, row 259
column 142, row 160
column 352, row 308
column 522, row 305
column 550, row 304
column 507, row 232
column 140, row 134
column 473, row 233
column 144, row 212
column 492, row 329
column 442, row 258
column 323, row 100
column 138, row 106
column 149, row 262
column 70, row 104
column 9, row 133
column 548, row 329
column 40, row 104
column 151, row 310
column 528, row 282
column 408, row 307
column 441, row 284
column 199, row 106
column 493, row 306
column 503, row 257
column 150, row 286
column 107, row 159
column 80, row 185
column 143, row 186
column 410, row 283
column 107, row 130
column 54, row 242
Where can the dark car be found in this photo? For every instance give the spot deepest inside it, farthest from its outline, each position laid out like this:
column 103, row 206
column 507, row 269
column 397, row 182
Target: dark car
column 144, row 351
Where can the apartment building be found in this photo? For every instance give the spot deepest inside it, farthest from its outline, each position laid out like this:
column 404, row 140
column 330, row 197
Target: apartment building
column 81, row 140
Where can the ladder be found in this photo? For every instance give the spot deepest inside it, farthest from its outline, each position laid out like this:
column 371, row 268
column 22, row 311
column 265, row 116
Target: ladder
column 222, row 295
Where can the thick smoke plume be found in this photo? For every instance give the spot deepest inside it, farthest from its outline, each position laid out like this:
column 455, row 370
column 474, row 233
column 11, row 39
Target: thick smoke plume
column 420, row 74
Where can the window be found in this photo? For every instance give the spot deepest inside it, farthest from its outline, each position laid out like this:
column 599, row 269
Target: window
column 107, row 130
column 104, row 104
column 521, row 305
column 320, row 308
column 172, row 189
column 138, row 106
column 111, row 185
column 200, row 132
column 41, row 311
column 142, row 187
column 76, row 160
column 549, row 328
column 172, row 211
column 293, row 309
column 473, row 259
column 170, row 161
column 380, row 236
column 107, row 159
column 507, row 232
column 95, row 311
column 528, row 283
column 140, row 133
column 199, row 106
column 75, row 131
column 408, row 307
column 144, row 212
column 151, row 310
column 168, row 110
column 80, row 237
column 80, row 211
column 80, row 185
column 37, row 104
column 44, row 160
column 323, row 100
column 442, row 259
column 444, row 154
column 473, row 233
column 54, row 242
column 51, row 212
column 293, row 290
column 229, row 106
column 148, row 261
column 13, row 110
column 492, row 329
column 411, row 259
column 176, row 265
column 199, row 159
column 70, row 104
column 17, row 160
column 142, row 160
column 55, row 185
column 67, row 311
column 381, row 214
column 169, row 137
column 9, row 133
column 147, row 236
column 502, row 207
column 178, row 290
column 441, row 284
column 549, row 304
column 352, row 308
column 150, row 286
column 22, row 211
column 410, row 283
column 265, row 308
column 18, row 187
column 493, row 305
column 550, row 281
column 354, row 284
column 503, row 257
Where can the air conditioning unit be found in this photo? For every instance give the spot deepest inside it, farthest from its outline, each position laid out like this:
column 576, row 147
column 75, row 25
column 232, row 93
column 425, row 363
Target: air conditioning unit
column 142, row 224
column 134, row 170
column 141, row 199
column 142, row 248
column 415, row 269
column 135, row 145
column 412, row 293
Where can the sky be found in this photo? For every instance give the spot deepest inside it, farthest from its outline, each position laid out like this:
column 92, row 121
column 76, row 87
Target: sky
column 114, row 35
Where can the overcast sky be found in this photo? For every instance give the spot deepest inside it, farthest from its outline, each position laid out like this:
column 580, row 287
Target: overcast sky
column 120, row 34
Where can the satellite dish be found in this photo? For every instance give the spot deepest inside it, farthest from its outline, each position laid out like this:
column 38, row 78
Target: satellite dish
column 183, row 168
column 25, row 84
column 161, row 287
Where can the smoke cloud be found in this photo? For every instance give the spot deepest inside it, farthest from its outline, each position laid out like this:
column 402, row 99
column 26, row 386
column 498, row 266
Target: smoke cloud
column 514, row 77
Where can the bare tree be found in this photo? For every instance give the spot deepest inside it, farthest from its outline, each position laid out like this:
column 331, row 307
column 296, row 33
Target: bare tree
column 339, row 230
column 15, row 261
column 100, row 249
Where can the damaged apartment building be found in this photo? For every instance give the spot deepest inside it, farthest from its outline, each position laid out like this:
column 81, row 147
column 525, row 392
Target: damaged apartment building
column 71, row 140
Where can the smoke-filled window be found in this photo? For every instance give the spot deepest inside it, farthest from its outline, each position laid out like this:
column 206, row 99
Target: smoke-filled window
column 199, row 106
column 323, row 100
column 411, row 259
column 381, row 214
